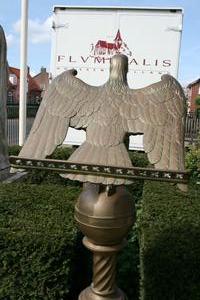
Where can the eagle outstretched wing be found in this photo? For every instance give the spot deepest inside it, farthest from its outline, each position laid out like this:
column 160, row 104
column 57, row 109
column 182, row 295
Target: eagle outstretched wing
column 158, row 111
column 67, row 100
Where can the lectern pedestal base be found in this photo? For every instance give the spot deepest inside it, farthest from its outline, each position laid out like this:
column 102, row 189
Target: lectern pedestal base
column 104, row 215
column 89, row 294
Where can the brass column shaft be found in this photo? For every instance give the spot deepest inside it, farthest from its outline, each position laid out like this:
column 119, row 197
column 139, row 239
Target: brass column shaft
column 104, row 271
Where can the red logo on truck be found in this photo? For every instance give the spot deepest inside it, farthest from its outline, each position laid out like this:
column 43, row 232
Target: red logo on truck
column 108, row 48
column 102, row 51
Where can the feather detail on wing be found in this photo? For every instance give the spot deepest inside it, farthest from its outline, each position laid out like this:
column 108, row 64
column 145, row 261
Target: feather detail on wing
column 158, row 111
column 67, row 98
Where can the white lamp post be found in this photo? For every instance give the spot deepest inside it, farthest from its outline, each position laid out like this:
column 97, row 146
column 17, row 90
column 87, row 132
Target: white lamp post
column 23, row 72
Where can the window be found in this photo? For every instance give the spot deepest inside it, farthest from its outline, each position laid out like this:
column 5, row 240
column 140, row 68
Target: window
column 13, row 79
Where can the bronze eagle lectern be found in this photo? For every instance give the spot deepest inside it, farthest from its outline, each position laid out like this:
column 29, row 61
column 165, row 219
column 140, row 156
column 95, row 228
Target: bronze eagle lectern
column 108, row 113
column 105, row 211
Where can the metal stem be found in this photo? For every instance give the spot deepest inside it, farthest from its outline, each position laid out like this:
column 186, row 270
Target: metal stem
column 104, row 271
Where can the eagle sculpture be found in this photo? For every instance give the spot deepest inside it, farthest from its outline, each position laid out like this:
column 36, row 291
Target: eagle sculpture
column 108, row 113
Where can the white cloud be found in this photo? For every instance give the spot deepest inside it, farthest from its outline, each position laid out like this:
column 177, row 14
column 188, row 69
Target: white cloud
column 10, row 39
column 38, row 31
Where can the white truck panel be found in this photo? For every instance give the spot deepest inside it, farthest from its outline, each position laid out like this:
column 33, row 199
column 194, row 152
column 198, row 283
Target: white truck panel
column 86, row 39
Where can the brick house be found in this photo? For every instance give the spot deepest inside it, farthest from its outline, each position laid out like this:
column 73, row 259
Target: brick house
column 34, row 91
column 194, row 96
column 42, row 80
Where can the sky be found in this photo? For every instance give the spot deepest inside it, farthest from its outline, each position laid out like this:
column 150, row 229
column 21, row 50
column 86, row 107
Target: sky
column 39, row 36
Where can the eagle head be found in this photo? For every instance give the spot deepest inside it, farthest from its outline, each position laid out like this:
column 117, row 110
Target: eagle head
column 119, row 68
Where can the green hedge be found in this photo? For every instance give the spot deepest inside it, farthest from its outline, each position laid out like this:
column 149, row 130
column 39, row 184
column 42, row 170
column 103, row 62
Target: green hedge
column 37, row 241
column 61, row 153
column 139, row 159
column 41, row 261
column 14, row 150
column 170, row 243
column 47, row 177
column 129, row 257
column 192, row 160
column 41, row 250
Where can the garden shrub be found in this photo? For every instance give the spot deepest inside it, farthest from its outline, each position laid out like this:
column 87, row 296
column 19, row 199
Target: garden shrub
column 14, row 150
column 61, row 153
column 170, row 243
column 38, row 259
column 47, row 177
column 128, row 260
column 139, row 159
column 128, row 267
column 129, row 257
column 37, row 241
column 192, row 160
column 41, row 249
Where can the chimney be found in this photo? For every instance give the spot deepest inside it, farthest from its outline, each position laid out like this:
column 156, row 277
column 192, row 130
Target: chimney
column 43, row 70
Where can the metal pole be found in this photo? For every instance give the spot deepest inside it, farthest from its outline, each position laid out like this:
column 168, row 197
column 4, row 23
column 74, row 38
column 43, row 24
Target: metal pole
column 23, row 72
column 105, row 216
